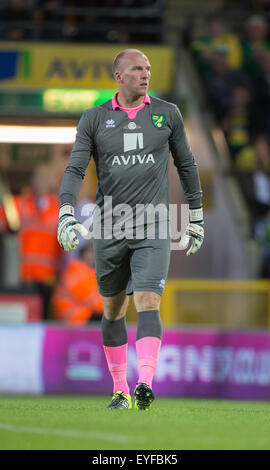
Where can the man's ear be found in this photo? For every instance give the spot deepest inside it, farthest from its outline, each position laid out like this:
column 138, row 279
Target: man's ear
column 117, row 76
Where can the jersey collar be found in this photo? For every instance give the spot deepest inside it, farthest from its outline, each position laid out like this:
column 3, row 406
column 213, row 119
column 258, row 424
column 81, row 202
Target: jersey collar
column 115, row 105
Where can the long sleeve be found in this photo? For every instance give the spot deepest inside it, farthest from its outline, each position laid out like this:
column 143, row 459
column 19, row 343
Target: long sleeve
column 78, row 162
column 185, row 162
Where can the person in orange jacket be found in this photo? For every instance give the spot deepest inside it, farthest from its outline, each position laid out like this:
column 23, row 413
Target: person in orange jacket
column 39, row 251
column 76, row 299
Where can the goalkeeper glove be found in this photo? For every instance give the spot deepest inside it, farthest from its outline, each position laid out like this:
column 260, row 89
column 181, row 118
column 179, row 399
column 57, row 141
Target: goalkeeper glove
column 193, row 232
column 67, row 226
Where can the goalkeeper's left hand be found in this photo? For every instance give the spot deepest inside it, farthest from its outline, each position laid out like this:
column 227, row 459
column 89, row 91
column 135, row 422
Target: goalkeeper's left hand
column 193, row 232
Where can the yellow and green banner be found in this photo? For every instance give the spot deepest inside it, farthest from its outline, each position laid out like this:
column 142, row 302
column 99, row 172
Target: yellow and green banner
column 37, row 66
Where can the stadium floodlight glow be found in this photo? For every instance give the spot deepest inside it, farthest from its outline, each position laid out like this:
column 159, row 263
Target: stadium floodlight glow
column 75, row 100
column 66, row 99
column 37, row 135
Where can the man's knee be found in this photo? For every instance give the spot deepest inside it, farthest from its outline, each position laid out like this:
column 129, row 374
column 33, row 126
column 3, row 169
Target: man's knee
column 146, row 301
column 115, row 307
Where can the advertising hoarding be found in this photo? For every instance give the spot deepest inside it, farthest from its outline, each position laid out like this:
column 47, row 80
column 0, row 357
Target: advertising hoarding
column 37, row 65
column 21, row 350
column 192, row 363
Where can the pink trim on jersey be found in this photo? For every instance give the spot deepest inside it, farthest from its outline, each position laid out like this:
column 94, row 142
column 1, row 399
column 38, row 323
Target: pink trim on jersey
column 131, row 112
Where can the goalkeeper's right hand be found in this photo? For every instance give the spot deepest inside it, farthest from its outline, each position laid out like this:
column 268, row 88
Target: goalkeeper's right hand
column 67, row 226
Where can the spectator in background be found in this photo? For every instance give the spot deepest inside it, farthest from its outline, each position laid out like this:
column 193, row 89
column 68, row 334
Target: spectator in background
column 261, row 85
column 150, row 22
column 216, row 39
column 263, row 237
column 76, row 299
column 254, row 155
column 255, row 44
column 261, row 207
column 261, row 178
column 71, row 30
column 221, row 82
column 253, row 167
column 45, row 14
column 39, row 251
column 253, row 172
column 236, row 122
column 117, row 30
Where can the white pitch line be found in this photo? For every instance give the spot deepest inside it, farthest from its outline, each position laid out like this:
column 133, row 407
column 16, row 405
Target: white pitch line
column 70, row 433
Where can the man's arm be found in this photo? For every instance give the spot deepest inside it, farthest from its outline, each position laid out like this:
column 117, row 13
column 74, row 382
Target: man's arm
column 190, row 180
column 185, row 162
column 78, row 162
column 71, row 184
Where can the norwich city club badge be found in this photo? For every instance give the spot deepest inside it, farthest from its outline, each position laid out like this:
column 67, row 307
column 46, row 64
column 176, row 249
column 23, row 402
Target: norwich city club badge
column 158, row 120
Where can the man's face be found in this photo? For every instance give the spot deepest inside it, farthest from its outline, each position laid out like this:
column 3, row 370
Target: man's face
column 134, row 74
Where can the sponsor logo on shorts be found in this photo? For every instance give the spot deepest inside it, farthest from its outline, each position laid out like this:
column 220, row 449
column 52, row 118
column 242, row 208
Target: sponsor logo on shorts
column 162, row 283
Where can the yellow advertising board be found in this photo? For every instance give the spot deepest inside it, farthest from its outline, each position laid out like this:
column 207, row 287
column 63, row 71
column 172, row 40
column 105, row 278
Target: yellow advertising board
column 39, row 65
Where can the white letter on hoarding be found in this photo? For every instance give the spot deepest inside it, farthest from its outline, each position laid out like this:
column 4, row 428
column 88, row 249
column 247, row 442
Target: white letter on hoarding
column 191, row 363
column 169, row 363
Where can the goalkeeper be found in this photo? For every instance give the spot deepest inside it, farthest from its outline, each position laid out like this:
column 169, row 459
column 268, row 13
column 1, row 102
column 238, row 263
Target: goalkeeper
column 131, row 138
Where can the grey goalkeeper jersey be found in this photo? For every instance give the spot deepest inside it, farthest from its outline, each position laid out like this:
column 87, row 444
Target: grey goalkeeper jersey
column 132, row 156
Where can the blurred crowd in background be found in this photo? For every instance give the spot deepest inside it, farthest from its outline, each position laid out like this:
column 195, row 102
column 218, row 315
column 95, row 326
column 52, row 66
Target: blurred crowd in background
column 81, row 20
column 235, row 68
column 65, row 282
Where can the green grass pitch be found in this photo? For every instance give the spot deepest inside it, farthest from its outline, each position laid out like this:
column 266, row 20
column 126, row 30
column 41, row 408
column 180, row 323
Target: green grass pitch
column 65, row 422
